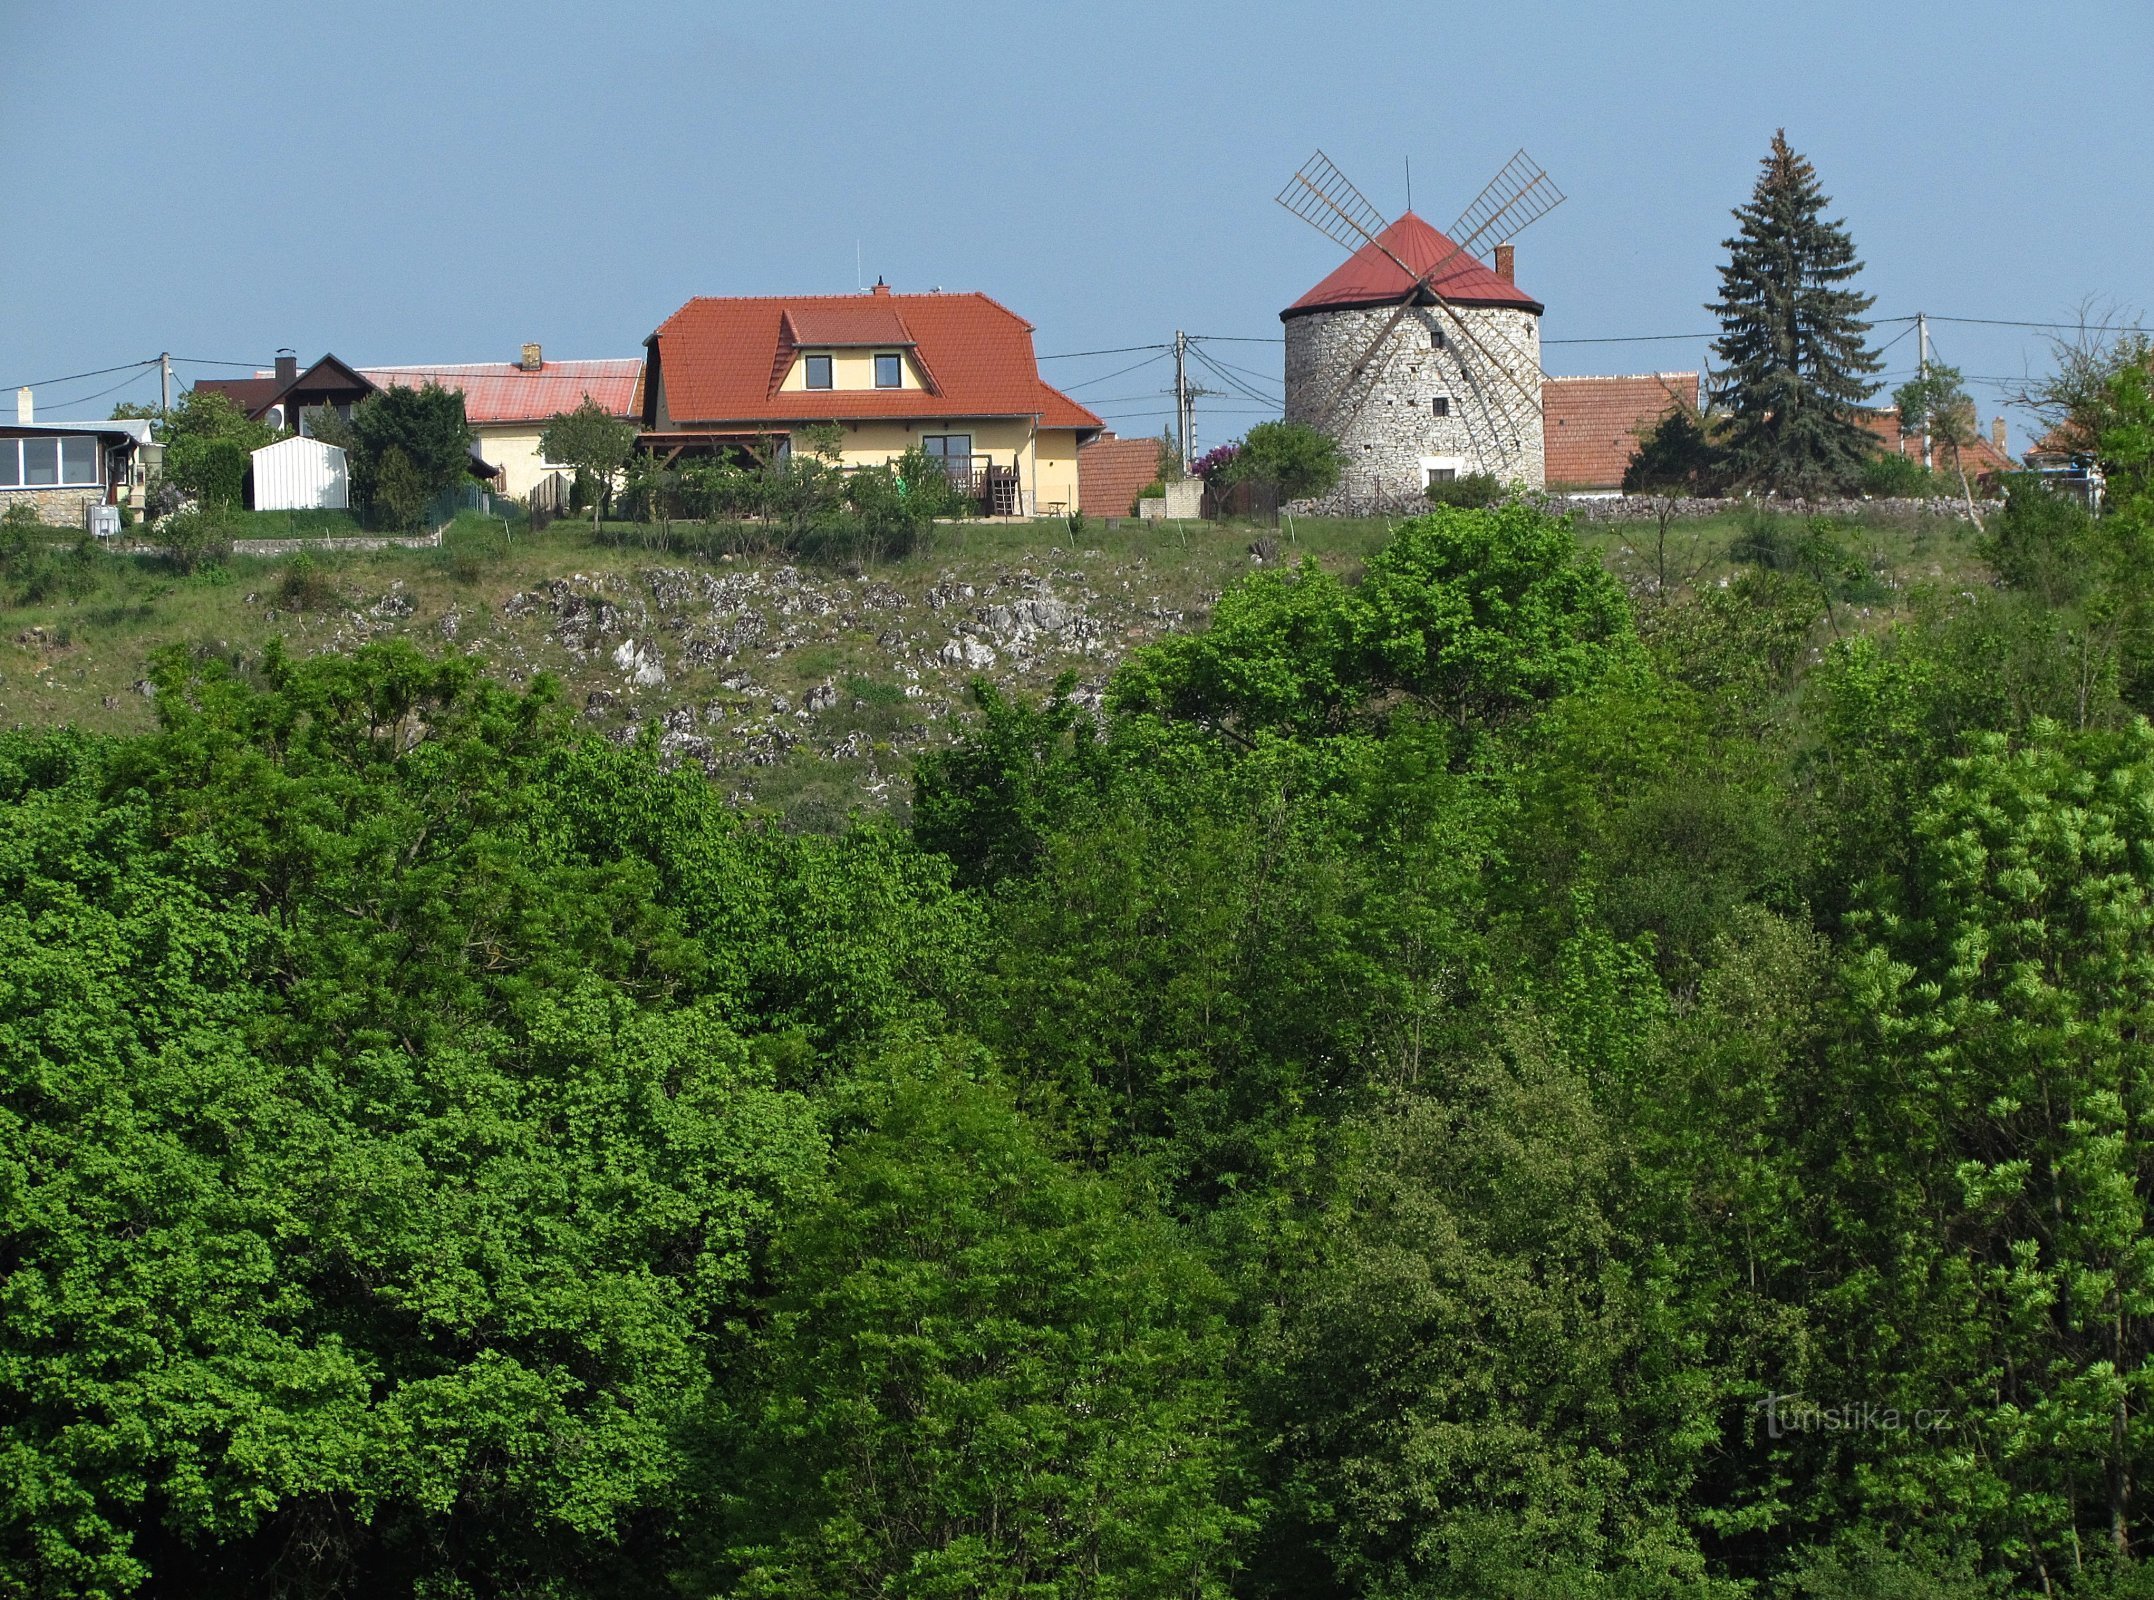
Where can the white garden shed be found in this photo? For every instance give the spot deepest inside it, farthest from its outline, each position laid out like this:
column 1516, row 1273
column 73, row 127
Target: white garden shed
column 301, row 474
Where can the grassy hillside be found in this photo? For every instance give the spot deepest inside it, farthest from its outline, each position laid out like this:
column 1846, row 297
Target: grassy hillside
column 800, row 686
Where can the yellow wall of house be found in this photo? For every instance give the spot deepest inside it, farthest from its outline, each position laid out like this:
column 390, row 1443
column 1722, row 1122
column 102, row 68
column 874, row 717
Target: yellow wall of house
column 852, row 369
column 515, row 450
column 1046, row 460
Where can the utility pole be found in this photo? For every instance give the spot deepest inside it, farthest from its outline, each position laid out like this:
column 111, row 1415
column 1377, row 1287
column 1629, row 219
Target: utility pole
column 1922, row 370
column 164, row 382
column 1184, row 400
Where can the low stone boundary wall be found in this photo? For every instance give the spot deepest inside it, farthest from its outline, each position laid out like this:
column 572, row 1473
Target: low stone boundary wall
column 1647, row 508
column 293, row 547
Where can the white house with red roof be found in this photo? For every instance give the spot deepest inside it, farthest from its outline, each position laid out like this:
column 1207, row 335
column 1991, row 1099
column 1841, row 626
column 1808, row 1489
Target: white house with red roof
column 1414, row 390
column 953, row 375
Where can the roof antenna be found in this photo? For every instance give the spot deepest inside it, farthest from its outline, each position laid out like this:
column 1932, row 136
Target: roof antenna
column 858, row 283
column 1409, row 183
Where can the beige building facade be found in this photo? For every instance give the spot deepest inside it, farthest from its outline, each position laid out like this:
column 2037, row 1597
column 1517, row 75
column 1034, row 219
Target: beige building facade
column 953, row 376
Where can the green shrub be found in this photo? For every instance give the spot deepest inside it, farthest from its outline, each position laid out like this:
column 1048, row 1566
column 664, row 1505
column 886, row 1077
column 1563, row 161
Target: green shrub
column 399, row 493
column 198, row 538
column 2041, row 542
column 1294, row 458
column 22, row 515
column 1474, row 491
column 1888, row 476
column 305, row 587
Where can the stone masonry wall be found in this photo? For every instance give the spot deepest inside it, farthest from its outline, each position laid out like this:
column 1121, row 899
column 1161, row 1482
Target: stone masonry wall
column 1645, row 508
column 56, row 508
column 1387, row 438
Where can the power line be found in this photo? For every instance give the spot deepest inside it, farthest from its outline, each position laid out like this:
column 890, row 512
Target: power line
column 46, row 383
column 1087, row 383
column 1125, row 350
column 1247, row 372
column 1635, row 338
column 1230, row 380
column 204, row 361
column 85, row 399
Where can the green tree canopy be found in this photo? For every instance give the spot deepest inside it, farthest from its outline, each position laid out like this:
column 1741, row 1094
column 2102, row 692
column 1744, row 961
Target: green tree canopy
column 1292, row 457
column 594, row 442
column 426, row 427
column 208, row 440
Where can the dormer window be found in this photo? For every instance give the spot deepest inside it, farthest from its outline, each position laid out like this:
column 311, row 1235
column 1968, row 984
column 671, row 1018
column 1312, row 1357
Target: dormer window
column 815, row 372
column 889, row 372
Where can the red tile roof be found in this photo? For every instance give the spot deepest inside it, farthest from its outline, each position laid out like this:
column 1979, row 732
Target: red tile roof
column 1111, row 471
column 850, row 322
column 715, row 359
column 501, row 391
column 1590, row 426
column 1982, row 457
column 1371, row 278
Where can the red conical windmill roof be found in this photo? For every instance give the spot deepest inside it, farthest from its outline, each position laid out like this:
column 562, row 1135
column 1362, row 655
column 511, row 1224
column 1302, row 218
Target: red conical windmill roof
column 1370, row 278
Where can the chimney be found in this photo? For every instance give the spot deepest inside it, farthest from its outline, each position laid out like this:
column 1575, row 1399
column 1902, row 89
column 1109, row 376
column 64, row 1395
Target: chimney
column 1996, row 435
column 880, row 287
column 1503, row 263
column 25, row 409
column 532, row 360
column 287, row 366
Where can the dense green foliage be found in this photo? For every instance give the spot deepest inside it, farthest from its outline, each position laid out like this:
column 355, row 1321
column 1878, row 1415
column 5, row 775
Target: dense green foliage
column 1290, row 457
column 1451, row 1083
column 1792, row 341
column 592, row 441
column 407, row 445
column 208, row 441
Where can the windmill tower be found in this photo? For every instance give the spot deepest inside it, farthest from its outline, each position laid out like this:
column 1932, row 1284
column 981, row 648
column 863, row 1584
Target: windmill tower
column 1420, row 359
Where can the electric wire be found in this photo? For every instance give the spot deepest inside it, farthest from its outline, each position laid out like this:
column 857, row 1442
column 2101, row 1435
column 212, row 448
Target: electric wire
column 1124, row 350
column 1087, row 383
column 46, row 383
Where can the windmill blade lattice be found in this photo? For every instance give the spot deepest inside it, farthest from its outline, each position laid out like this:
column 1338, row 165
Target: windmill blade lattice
column 1514, row 199
column 1323, row 197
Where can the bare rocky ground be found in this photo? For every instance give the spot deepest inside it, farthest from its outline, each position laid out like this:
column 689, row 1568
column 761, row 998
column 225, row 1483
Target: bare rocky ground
column 810, row 690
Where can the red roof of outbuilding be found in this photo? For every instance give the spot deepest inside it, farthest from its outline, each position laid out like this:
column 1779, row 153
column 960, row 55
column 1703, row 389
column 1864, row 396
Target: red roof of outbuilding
column 1590, row 427
column 719, row 360
column 501, row 391
column 1369, row 277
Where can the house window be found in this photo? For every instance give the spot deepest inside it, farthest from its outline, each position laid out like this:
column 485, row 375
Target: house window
column 889, row 372
column 1441, row 405
column 817, row 374
column 49, row 463
column 1443, row 474
column 953, row 450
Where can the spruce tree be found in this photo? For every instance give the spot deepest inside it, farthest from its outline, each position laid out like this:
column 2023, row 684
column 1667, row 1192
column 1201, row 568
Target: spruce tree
column 1792, row 338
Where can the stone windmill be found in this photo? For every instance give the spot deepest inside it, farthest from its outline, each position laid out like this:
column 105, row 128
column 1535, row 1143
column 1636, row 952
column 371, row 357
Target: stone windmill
column 1419, row 359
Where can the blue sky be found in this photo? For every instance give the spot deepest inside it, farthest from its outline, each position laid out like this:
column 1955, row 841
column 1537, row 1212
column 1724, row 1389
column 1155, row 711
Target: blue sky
column 406, row 182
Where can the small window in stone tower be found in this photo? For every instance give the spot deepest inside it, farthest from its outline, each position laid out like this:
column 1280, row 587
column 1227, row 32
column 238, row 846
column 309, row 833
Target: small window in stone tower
column 1443, row 475
column 1441, row 405
column 1436, row 338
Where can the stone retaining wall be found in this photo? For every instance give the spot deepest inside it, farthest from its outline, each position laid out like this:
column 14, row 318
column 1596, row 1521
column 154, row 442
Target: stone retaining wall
column 293, row 547
column 1647, row 508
